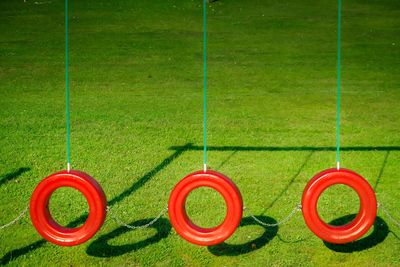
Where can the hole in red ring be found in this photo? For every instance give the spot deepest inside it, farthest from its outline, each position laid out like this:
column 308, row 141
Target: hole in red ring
column 205, row 207
column 337, row 201
column 66, row 204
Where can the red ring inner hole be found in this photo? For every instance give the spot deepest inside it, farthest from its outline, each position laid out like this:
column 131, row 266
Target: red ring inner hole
column 205, row 207
column 66, row 205
column 338, row 201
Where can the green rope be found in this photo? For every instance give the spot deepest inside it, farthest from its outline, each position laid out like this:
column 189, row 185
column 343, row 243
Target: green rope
column 67, row 113
column 338, row 87
column 205, row 82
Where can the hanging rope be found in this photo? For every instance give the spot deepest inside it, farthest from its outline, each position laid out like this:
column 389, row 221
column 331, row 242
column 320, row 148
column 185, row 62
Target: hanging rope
column 205, row 83
column 67, row 113
column 134, row 227
column 296, row 209
column 338, row 87
column 19, row 217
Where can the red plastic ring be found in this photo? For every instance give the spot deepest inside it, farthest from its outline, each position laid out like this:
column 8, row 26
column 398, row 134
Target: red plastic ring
column 352, row 230
column 44, row 222
column 186, row 228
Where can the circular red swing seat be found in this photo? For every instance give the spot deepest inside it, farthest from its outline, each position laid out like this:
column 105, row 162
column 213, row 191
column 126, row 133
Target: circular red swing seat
column 182, row 223
column 44, row 223
column 352, row 230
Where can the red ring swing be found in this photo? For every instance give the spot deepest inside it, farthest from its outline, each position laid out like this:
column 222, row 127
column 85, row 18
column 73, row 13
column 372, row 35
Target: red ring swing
column 53, row 232
column 350, row 231
column 219, row 182
column 41, row 218
column 44, row 223
column 182, row 223
column 368, row 206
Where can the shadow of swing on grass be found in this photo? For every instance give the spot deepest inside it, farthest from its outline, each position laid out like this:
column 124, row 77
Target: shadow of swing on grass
column 379, row 233
column 287, row 148
column 16, row 253
column 380, row 230
column 311, row 149
column 101, row 247
column 225, row 249
column 178, row 151
column 13, row 175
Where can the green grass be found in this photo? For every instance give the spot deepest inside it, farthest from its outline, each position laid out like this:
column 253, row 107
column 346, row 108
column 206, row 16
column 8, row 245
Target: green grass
column 136, row 91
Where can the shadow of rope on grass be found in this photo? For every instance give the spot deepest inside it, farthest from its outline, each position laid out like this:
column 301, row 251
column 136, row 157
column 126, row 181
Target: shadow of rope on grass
column 225, row 249
column 13, row 175
column 291, row 181
column 395, row 235
column 378, row 235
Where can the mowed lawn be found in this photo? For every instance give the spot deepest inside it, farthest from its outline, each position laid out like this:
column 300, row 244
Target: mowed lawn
column 136, row 115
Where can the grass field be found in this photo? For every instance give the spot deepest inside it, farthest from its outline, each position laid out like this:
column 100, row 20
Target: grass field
column 136, row 103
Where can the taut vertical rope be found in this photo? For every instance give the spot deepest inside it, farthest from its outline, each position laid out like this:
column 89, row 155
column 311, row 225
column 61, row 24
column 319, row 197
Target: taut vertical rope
column 205, row 83
column 67, row 113
column 338, row 87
